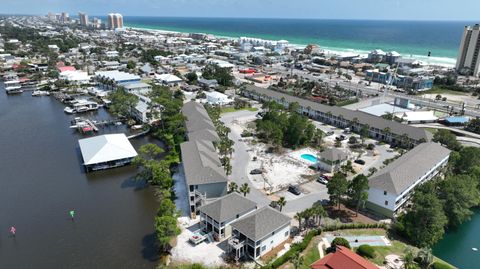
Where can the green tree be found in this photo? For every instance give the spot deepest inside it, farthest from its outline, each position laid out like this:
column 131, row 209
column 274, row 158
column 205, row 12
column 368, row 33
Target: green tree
column 358, row 191
column 424, row 223
column 232, row 187
column 297, row 260
column 459, row 194
column 191, row 77
column 131, row 65
column 409, row 259
column 466, row 160
column 245, row 189
column 447, row 138
column 122, row 102
column 340, row 241
column 166, row 229
column 281, row 202
column 424, row 258
column 167, row 208
column 337, row 187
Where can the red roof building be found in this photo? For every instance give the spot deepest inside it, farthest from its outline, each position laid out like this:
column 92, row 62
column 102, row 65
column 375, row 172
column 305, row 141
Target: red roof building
column 66, row 68
column 342, row 258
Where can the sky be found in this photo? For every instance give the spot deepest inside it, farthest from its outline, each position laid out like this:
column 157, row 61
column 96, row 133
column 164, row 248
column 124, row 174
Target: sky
column 463, row 10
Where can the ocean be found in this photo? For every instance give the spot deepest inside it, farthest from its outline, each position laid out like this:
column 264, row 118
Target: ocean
column 410, row 38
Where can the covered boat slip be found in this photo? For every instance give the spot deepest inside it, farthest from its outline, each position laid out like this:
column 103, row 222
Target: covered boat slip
column 106, row 151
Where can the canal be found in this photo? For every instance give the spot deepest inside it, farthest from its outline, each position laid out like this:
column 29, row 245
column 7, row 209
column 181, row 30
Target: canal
column 41, row 179
column 456, row 246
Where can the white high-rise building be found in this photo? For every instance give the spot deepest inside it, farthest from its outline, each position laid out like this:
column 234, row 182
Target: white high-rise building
column 83, row 18
column 468, row 61
column 115, row 21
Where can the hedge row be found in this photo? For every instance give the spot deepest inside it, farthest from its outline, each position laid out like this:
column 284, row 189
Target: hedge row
column 355, row 226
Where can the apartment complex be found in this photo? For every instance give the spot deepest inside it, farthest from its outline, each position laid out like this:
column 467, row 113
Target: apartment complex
column 378, row 128
column 204, row 175
column 83, row 19
column 468, row 61
column 392, row 186
column 114, row 21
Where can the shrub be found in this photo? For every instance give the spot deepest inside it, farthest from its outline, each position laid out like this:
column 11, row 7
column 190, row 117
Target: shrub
column 370, row 146
column 340, row 241
column 366, row 251
column 440, row 265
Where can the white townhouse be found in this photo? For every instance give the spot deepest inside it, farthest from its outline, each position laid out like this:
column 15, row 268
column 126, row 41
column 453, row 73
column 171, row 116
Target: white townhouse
column 392, row 186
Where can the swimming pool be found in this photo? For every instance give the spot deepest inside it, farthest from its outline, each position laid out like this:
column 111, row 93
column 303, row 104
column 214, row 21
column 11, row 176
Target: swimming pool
column 309, row 157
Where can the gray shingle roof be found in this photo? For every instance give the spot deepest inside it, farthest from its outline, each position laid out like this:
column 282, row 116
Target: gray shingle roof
column 197, row 117
column 333, row 154
column 406, row 170
column 261, row 223
column 201, row 163
column 206, row 134
column 228, row 207
column 362, row 117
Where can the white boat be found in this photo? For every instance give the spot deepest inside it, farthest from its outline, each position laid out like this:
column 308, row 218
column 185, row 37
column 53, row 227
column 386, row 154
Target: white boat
column 40, row 93
column 13, row 86
column 81, row 109
column 475, row 249
column 69, row 110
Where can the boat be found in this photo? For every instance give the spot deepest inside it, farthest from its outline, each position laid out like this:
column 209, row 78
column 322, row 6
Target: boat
column 475, row 249
column 82, row 105
column 69, row 110
column 40, row 93
column 13, row 86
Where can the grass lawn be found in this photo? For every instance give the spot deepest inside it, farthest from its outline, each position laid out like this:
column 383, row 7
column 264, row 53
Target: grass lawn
column 310, row 255
column 431, row 130
column 440, row 90
column 232, row 109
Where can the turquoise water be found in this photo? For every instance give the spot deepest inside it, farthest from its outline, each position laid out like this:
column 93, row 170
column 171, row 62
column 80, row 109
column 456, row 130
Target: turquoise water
column 456, row 246
column 410, row 38
column 309, row 157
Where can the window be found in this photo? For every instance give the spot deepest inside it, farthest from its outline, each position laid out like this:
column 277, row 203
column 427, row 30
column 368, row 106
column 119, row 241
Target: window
column 384, row 192
column 386, row 202
column 237, row 216
column 264, row 248
column 286, row 233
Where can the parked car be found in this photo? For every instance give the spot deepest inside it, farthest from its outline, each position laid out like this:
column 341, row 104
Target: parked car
column 256, row 172
column 360, row 161
column 330, row 133
column 294, row 189
column 322, row 179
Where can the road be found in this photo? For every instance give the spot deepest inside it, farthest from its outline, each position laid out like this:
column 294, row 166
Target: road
column 241, row 158
column 239, row 174
column 374, row 89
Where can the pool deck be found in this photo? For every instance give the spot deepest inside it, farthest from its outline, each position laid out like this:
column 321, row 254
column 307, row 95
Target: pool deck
column 297, row 154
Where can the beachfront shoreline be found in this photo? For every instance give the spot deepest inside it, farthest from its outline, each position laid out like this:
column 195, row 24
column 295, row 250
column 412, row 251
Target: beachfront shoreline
column 430, row 61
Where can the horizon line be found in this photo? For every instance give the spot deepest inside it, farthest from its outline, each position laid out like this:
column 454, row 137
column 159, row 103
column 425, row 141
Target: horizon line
column 266, row 18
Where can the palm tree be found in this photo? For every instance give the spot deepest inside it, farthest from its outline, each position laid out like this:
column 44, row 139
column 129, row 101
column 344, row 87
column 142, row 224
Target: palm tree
column 408, row 259
column 297, row 260
column 281, row 203
column 425, row 258
column 232, row 187
column 299, row 217
column 245, row 189
column 319, row 212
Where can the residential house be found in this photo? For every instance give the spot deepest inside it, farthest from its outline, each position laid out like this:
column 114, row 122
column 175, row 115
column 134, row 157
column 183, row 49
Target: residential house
column 218, row 98
column 168, row 79
column 332, row 159
column 217, row 216
column 207, row 83
column 259, row 232
column 392, row 186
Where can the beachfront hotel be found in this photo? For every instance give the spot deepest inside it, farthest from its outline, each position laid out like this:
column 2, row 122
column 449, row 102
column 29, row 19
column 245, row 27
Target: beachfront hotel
column 468, row 61
column 115, row 21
